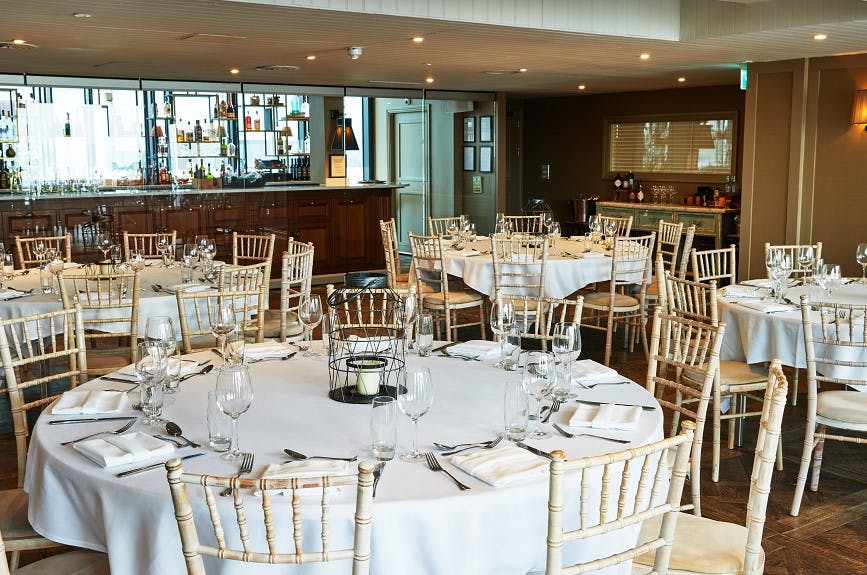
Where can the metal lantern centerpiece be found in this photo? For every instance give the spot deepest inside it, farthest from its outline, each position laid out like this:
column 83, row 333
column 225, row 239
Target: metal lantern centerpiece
column 365, row 349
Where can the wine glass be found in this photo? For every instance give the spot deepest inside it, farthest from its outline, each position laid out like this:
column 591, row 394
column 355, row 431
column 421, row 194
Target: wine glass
column 407, row 311
column 805, row 261
column 137, row 260
column 540, row 375
column 116, row 255
column 234, row 394
column 309, row 314
column 211, row 247
column 151, row 370
column 861, row 258
column 502, row 324
column 223, row 321
column 610, row 228
column 39, row 248
column 160, row 328
column 414, row 399
column 55, row 266
column 104, row 243
column 566, row 346
column 780, row 272
column 833, row 277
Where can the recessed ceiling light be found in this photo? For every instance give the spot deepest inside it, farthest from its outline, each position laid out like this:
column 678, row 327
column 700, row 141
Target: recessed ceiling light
column 819, row 36
column 19, row 42
column 645, row 56
column 522, row 70
column 581, row 86
column 81, row 15
column 429, row 80
column 418, row 39
column 311, row 57
column 681, row 79
column 234, row 71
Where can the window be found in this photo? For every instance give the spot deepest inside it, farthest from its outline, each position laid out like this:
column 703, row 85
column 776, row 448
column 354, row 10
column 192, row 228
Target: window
column 695, row 146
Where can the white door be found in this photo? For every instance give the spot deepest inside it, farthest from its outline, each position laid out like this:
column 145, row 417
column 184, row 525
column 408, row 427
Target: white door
column 408, row 168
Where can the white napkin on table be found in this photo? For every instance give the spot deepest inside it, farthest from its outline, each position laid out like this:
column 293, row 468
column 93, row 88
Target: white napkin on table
column 501, row 466
column 588, row 372
column 188, row 366
column 11, row 293
column 767, row 306
column 124, row 449
column 605, row 416
column 467, row 253
column 87, row 402
column 475, row 349
column 266, row 349
column 357, row 345
column 742, row 292
column 305, row 469
column 190, row 288
column 594, row 255
column 759, row 282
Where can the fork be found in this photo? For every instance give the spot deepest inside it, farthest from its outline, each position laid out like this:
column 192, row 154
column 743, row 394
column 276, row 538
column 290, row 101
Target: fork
column 555, row 406
column 487, row 445
column 246, row 467
column 117, row 431
column 457, row 445
column 434, row 465
column 570, row 435
column 377, row 475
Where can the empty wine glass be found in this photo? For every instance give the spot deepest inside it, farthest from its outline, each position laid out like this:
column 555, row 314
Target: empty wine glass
column 151, row 370
column 200, row 242
column 833, row 277
column 861, row 258
column 39, row 248
column 234, row 395
column 309, row 314
column 610, row 228
column 160, row 328
column 414, row 399
column 104, row 243
column 502, row 323
column 539, row 378
column 566, row 346
column 223, row 321
column 407, row 311
column 805, row 261
column 780, row 270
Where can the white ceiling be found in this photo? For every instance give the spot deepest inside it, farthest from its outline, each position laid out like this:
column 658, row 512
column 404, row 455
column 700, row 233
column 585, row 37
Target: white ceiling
column 562, row 43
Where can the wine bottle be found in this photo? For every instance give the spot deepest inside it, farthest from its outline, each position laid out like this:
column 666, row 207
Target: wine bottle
column 67, row 127
column 618, row 182
column 198, row 132
column 223, row 109
column 630, row 179
column 230, row 111
column 224, row 149
column 188, row 134
column 206, row 132
column 209, row 175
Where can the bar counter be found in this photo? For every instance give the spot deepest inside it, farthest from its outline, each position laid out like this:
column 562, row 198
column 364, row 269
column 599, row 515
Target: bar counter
column 342, row 222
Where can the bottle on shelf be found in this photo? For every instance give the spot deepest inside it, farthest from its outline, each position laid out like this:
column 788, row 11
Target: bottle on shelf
column 230, row 149
column 179, row 137
column 223, row 147
column 215, row 131
column 167, row 105
column 4, row 176
column 188, row 134
column 209, row 175
column 206, row 131
column 198, row 131
column 305, row 108
column 223, row 171
column 257, row 122
column 618, row 182
column 280, row 148
column 632, row 197
column 216, row 113
column 640, row 195
column 67, row 127
column 630, row 179
column 248, row 122
column 191, row 173
column 223, row 109
column 230, row 110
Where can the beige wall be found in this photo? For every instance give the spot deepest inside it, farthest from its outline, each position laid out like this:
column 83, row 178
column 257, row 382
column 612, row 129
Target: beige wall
column 805, row 165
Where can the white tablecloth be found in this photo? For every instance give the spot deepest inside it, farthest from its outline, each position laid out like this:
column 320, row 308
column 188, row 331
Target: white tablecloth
column 422, row 523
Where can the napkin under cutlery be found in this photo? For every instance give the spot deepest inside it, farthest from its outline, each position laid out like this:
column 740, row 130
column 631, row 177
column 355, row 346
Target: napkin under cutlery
column 605, row 416
column 475, row 349
column 124, row 449
column 767, row 306
column 266, row 349
column 89, row 402
column 587, row 373
column 501, row 466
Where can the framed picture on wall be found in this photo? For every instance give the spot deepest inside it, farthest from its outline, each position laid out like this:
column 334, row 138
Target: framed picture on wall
column 486, row 128
column 469, row 159
column 470, row 129
column 486, row 159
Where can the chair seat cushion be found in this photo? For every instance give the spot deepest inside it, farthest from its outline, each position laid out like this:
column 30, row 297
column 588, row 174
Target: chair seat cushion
column 733, row 374
column 844, row 406
column 602, row 299
column 402, row 278
column 72, row 563
column 455, row 298
column 652, row 289
column 701, row 545
column 13, row 516
column 272, row 324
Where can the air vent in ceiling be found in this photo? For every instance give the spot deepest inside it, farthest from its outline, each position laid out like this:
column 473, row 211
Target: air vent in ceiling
column 277, row 68
column 197, row 38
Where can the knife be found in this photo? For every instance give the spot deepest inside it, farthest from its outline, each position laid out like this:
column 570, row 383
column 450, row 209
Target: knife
column 118, row 379
column 155, row 465
column 89, row 420
column 534, row 450
column 442, row 347
column 294, row 454
column 590, row 402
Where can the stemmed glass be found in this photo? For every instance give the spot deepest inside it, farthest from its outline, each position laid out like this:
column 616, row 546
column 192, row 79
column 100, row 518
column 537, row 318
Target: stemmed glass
column 566, row 345
column 610, row 228
column 234, row 394
column 780, row 270
column 310, row 314
column 832, row 277
column 55, row 266
column 39, row 249
column 160, row 328
column 805, row 261
column 223, row 321
column 861, row 258
column 151, row 369
column 104, row 243
column 407, row 312
column 415, row 399
column 539, row 378
column 502, row 324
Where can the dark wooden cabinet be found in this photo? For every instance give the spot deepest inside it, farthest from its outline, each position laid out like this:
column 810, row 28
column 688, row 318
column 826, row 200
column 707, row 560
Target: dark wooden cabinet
column 351, row 217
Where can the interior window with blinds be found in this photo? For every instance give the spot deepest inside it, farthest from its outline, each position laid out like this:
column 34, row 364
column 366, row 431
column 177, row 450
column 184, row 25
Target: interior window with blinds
column 672, row 146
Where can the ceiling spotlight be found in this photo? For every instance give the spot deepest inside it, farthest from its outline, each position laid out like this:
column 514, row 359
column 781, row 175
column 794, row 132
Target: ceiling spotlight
column 81, row 15
column 354, row 52
column 311, row 57
column 681, row 79
column 645, row 56
column 820, row 36
column 234, row 71
column 418, row 39
column 429, row 80
column 581, row 86
column 19, row 42
column 522, row 70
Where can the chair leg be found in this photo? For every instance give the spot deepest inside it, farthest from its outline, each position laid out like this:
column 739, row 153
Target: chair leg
column 779, row 455
column 714, row 476
column 14, row 558
column 695, row 476
column 483, row 314
column 817, row 459
column 794, row 391
column 735, row 407
column 608, row 337
column 806, row 455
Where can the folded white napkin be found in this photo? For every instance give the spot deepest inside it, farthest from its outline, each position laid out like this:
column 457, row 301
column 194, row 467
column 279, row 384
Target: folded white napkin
column 306, row 469
column 190, row 288
column 266, row 349
column 588, row 372
column 124, row 449
column 82, row 401
column 475, row 349
column 466, row 253
column 188, row 366
column 606, row 416
column 759, row 282
column 357, row 345
column 594, row 255
column 10, row 294
column 502, row 465
column 742, row 292
column 767, row 306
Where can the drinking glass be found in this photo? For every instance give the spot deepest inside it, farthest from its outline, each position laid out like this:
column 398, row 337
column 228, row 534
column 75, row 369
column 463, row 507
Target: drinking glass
column 160, row 328
column 805, row 261
column 407, row 312
column 861, row 258
column 200, row 243
column 539, row 378
column 169, row 256
column 424, row 337
column 516, row 411
column 832, row 277
column 383, row 427
column 162, row 245
column 8, row 266
column 39, row 248
column 610, row 228
column 415, row 399
column 55, row 266
column 471, row 232
column 151, row 369
column 566, row 346
column 235, row 345
column 780, row 272
column 223, row 321
column 502, row 323
column 219, row 426
column 309, row 314
column 211, row 247
column 188, row 256
column 554, row 232
column 234, row 394
column 104, row 243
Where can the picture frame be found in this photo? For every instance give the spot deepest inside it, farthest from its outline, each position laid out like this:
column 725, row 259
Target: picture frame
column 337, row 165
column 469, row 159
column 486, row 159
column 470, row 129
column 486, row 128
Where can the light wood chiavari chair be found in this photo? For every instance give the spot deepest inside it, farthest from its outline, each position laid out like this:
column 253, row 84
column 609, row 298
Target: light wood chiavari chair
column 440, row 226
column 688, row 237
column 253, row 249
column 295, row 280
column 196, row 309
column 536, row 318
column 194, row 549
column 623, row 502
column 702, row 545
column 519, row 267
column 835, row 337
column 26, row 345
column 73, row 562
column 244, row 277
column 24, row 249
column 667, row 247
column 720, row 265
column 524, row 224
column 397, row 279
column 147, row 244
column 624, row 225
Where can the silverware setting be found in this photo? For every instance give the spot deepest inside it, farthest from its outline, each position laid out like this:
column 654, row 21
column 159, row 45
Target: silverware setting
column 286, row 357
column 207, row 369
column 377, row 475
column 591, row 385
column 90, row 420
column 457, row 445
column 155, row 465
column 593, row 402
column 175, row 430
column 298, row 455
column 533, row 450
column 246, row 467
column 434, row 465
column 565, row 433
column 117, row 431
column 555, row 407
column 486, row 445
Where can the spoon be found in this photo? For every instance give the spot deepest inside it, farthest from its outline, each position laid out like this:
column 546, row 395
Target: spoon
column 204, row 370
column 296, row 455
column 174, row 430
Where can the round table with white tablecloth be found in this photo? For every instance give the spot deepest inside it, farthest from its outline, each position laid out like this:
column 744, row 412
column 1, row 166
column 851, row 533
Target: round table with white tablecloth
column 422, row 523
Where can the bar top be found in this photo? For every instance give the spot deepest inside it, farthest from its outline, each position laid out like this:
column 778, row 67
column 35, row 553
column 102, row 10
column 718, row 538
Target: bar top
column 672, row 207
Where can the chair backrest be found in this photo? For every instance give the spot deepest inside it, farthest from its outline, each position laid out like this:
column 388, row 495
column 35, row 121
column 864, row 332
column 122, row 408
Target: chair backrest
column 631, row 261
column 624, row 225
column 668, row 243
column 194, row 548
column 440, row 226
column 519, row 266
column 147, row 243
column 244, row 277
column 427, row 259
column 720, row 265
column 524, row 224
column 634, row 485
column 835, row 340
column 197, row 308
column 535, row 318
column 295, row 281
column 688, row 238
column 253, row 249
column 388, row 230
column 109, row 307
column 25, row 343
column 24, row 249
column 763, row 467
column 692, row 300
column 792, row 251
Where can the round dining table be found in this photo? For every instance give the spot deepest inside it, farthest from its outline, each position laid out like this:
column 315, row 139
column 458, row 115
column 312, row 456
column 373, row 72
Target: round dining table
column 422, row 524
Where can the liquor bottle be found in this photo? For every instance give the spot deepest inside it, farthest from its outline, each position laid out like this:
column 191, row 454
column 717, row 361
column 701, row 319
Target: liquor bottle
column 206, row 131
column 257, row 123
column 190, row 172
column 223, row 171
column 230, row 111
column 292, row 168
column 632, row 196
column 198, row 132
column 224, row 149
column 230, row 149
column 209, row 174
column 188, row 134
column 305, row 108
column 214, row 137
column 179, row 137
column 307, row 168
column 4, row 176
column 67, row 127
column 167, row 106
column 223, row 109
column 280, row 149
column 618, row 182
column 216, row 110
column 640, row 195
column 630, row 179
column 248, row 122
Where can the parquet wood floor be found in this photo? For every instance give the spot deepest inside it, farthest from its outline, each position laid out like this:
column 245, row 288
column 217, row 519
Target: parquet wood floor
column 828, row 538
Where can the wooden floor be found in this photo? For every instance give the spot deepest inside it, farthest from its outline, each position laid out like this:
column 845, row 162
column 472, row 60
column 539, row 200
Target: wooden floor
column 828, row 538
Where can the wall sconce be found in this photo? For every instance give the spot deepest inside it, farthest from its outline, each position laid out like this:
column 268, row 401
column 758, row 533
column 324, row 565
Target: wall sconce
column 343, row 133
column 859, row 111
